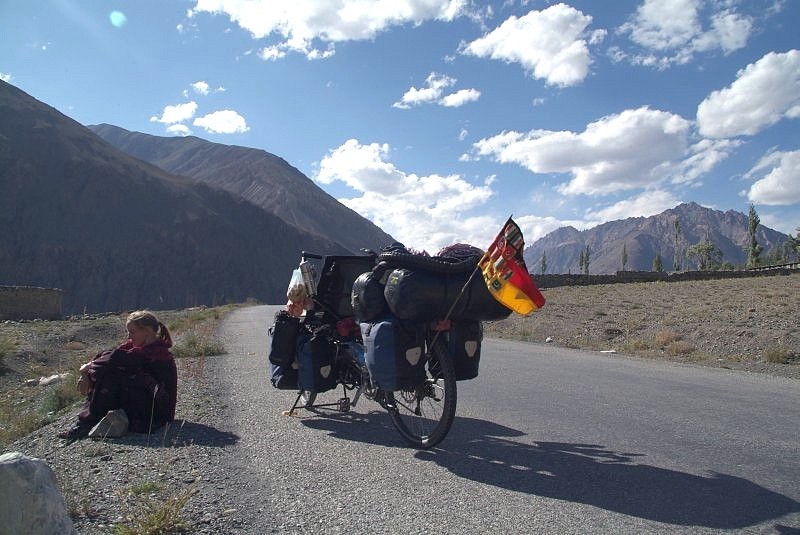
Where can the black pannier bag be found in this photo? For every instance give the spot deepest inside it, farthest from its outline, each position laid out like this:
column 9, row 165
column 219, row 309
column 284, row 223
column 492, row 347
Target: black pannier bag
column 395, row 353
column 367, row 296
column 283, row 377
column 464, row 345
column 316, row 356
column 283, row 341
column 425, row 296
column 335, row 285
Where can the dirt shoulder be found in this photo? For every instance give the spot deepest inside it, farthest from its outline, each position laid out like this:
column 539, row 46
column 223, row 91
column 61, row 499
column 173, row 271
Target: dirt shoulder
column 746, row 324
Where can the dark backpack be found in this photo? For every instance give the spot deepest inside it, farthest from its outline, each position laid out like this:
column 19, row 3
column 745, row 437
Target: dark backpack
column 283, row 341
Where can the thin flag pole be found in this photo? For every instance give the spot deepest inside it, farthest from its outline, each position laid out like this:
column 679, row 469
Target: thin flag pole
column 455, row 302
column 469, row 280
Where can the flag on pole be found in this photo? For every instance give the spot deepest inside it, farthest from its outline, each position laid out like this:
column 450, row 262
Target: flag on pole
column 506, row 274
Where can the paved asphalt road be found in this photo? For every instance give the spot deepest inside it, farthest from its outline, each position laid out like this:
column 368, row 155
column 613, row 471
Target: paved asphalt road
column 545, row 440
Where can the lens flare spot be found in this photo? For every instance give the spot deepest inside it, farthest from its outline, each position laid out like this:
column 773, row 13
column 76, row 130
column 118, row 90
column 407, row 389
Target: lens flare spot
column 118, row 18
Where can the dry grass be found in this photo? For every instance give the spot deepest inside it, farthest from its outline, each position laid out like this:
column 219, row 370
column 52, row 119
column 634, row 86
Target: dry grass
column 778, row 355
column 153, row 510
column 753, row 320
column 31, row 350
column 665, row 338
column 7, row 346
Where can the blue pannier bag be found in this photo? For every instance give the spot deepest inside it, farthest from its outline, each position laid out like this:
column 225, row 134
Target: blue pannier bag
column 395, row 353
column 283, row 377
column 464, row 345
column 315, row 358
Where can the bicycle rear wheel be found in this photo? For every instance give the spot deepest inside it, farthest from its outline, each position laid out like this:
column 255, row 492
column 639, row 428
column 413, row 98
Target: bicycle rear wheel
column 423, row 416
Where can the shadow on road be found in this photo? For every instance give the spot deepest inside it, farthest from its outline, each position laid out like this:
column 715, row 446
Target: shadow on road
column 591, row 474
column 374, row 427
column 182, row 433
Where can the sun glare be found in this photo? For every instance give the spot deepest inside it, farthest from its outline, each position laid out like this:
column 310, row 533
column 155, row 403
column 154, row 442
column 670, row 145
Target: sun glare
column 117, row 18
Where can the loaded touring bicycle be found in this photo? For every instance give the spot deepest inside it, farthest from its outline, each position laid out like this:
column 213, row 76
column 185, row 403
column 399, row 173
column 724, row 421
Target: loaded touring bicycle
column 397, row 328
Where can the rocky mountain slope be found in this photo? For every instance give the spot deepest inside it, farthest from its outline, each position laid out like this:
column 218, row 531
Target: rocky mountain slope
column 260, row 177
column 118, row 233
column 645, row 237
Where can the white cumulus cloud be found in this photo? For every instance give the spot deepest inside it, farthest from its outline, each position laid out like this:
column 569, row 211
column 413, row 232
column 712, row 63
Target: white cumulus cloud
column 460, row 97
column 702, row 157
column 646, row 204
column 633, row 149
column 780, row 179
column 177, row 113
column 179, row 130
column 435, row 86
column 200, row 88
column 763, row 93
column 222, row 122
column 424, row 212
column 298, row 25
column 534, row 227
column 670, row 32
column 551, row 44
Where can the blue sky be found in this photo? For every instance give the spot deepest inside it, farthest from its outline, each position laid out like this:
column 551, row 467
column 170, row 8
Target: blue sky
column 438, row 119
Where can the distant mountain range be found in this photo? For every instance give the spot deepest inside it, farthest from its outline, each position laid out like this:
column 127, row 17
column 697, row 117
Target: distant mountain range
column 258, row 176
column 642, row 238
column 117, row 233
column 121, row 220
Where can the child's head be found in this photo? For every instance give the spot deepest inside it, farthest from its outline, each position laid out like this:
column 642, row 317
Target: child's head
column 144, row 328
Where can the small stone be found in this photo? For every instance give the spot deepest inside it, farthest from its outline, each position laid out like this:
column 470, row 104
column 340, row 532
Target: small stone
column 44, row 381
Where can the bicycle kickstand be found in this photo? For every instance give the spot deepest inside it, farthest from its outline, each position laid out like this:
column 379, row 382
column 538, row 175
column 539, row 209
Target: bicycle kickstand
column 290, row 412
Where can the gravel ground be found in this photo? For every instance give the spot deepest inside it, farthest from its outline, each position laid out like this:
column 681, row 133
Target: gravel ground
column 106, row 484
column 121, row 481
column 743, row 324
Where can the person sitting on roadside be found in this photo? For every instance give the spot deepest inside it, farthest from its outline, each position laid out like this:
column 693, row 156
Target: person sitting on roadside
column 139, row 377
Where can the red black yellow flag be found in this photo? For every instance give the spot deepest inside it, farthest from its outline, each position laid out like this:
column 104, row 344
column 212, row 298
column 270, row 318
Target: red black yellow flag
column 506, row 274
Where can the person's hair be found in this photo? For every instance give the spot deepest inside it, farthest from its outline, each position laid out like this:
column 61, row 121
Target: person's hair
column 145, row 318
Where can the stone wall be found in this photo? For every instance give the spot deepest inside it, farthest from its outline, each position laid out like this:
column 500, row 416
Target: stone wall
column 27, row 303
column 552, row 281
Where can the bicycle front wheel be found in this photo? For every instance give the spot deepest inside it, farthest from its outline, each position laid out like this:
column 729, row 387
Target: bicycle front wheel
column 424, row 415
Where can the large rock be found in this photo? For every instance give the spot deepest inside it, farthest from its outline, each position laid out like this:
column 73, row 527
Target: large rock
column 30, row 501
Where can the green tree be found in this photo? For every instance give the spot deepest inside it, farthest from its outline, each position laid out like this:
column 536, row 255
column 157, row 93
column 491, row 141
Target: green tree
column 658, row 264
column 781, row 254
column 624, row 255
column 705, row 254
column 544, row 262
column 581, row 262
column 754, row 250
column 586, row 257
column 795, row 243
column 676, row 259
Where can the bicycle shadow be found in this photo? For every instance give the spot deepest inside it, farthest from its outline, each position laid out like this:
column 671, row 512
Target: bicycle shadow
column 591, row 474
column 373, row 427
